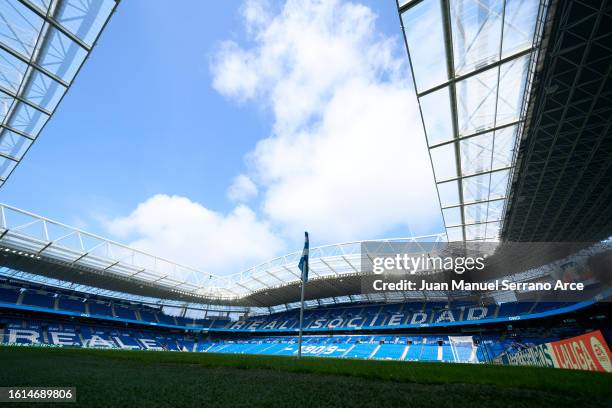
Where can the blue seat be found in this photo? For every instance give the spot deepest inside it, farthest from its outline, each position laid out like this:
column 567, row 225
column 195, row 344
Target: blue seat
column 362, row 350
column 73, row 305
column 9, row 295
column 98, row 308
column 166, row 319
column 390, row 351
column 124, row 312
column 38, row 299
column 147, row 316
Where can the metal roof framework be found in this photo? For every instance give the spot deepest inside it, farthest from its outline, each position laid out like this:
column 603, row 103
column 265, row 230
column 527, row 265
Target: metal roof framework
column 39, row 238
column 471, row 63
column 37, row 245
column 562, row 184
column 31, row 247
column 43, row 45
column 79, row 289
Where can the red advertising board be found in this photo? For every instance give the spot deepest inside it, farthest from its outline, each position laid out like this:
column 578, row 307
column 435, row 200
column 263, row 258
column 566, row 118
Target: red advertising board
column 586, row 352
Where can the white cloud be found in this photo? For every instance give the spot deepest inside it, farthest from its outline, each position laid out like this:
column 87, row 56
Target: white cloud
column 256, row 14
column 346, row 158
column 242, row 189
column 184, row 231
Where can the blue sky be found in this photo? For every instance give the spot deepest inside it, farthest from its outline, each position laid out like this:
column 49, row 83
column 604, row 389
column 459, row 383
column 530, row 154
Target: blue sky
column 179, row 99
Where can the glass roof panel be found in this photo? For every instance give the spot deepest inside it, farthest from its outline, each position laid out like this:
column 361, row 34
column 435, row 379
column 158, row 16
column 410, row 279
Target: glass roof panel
column 443, row 159
column 473, row 213
column 452, row 216
column 476, row 154
column 42, row 5
column 44, row 91
column 6, row 166
column 84, row 19
column 449, row 193
column 477, row 27
column 495, row 210
column 477, row 104
column 455, row 234
column 60, row 55
column 425, row 38
column 27, row 119
column 519, row 25
column 474, row 232
column 19, row 27
column 436, row 111
column 43, row 43
column 499, row 182
column 492, row 230
column 476, row 188
column 11, row 71
column 6, row 102
column 512, row 77
column 505, row 140
column 12, row 144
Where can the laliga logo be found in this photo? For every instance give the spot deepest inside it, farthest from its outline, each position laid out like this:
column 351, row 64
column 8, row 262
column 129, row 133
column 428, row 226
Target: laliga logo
column 600, row 354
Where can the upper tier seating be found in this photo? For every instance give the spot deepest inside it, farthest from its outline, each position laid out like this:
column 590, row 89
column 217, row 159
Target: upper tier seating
column 33, row 298
column 9, row 295
column 124, row 312
column 71, row 304
column 323, row 319
column 99, row 308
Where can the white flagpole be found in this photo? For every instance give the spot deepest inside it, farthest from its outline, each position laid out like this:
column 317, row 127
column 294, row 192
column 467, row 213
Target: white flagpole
column 301, row 315
column 304, row 274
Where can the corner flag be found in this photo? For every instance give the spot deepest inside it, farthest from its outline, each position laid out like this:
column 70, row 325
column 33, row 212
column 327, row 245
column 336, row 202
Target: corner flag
column 303, row 265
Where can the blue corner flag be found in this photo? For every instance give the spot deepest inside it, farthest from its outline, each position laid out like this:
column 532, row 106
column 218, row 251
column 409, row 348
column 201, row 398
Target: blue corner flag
column 303, row 265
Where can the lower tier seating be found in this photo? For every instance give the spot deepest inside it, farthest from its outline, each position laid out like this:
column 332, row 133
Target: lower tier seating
column 64, row 333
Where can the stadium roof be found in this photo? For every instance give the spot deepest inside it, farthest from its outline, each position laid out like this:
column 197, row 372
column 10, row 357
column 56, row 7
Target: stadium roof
column 39, row 250
column 55, row 251
column 471, row 64
column 43, row 44
column 562, row 185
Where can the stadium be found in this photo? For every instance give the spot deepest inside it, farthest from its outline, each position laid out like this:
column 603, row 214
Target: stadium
column 515, row 102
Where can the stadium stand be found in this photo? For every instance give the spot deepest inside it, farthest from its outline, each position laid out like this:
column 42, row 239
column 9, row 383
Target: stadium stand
column 415, row 314
column 535, row 208
column 9, row 294
column 100, row 308
column 124, row 312
column 442, row 348
column 71, row 304
column 399, row 315
column 46, row 316
column 40, row 299
column 348, row 317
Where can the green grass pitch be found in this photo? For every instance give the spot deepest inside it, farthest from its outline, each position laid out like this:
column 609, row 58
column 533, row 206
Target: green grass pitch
column 158, row 379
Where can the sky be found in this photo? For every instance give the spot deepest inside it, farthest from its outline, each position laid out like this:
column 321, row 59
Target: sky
column 214, row 133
